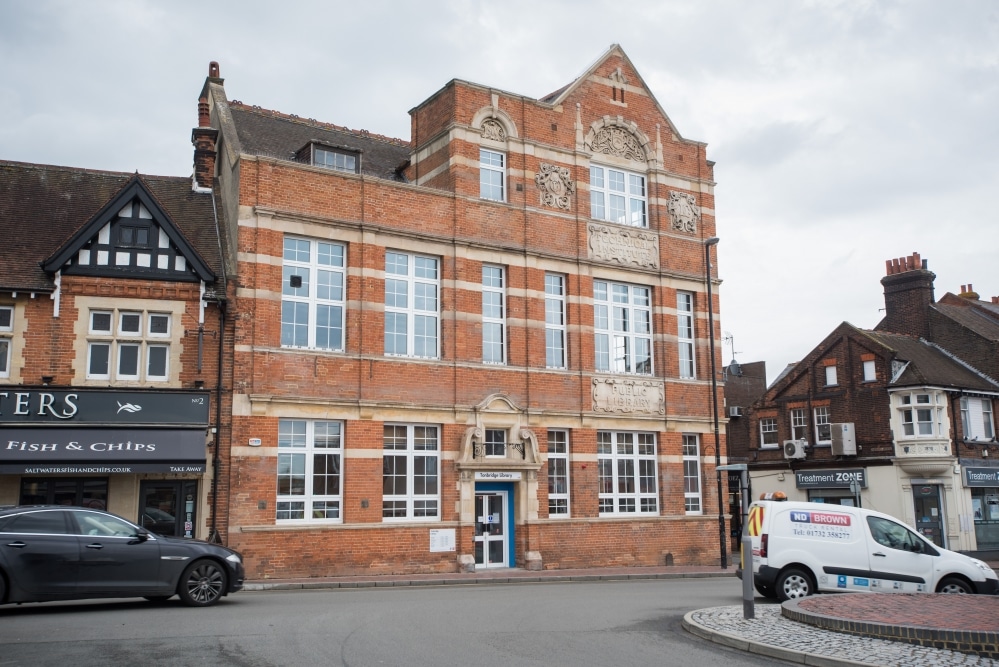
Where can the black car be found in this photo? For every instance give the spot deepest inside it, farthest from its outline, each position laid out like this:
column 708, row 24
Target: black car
column 72, row 553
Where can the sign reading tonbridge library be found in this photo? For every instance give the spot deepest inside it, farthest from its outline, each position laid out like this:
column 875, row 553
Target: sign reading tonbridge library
column 64, row 407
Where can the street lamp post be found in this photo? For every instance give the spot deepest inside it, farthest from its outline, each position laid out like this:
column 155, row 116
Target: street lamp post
column 714, row 399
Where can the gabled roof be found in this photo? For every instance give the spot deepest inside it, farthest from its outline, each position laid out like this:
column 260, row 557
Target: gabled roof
column 929, row 365
column 926, row 364
column 560, row 95
column 44, row 208
column 282, row 136
column 976, row 317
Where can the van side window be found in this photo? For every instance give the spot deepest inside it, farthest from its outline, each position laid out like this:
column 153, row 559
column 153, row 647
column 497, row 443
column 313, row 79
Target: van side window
column 892, row 535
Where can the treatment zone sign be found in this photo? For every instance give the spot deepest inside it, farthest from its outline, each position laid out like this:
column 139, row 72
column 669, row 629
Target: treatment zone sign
column 830, row 479
column 825, row 525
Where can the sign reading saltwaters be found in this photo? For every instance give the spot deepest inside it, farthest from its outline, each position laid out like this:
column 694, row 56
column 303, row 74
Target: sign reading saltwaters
column 827, row 525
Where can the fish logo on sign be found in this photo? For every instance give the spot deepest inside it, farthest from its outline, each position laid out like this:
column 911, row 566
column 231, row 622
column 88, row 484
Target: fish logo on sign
column 755, row 524
column 128, row 407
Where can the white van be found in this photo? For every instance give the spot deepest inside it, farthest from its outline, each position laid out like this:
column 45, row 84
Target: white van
column 802, row 548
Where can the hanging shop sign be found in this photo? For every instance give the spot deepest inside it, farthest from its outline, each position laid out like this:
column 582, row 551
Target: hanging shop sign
column 63, row 407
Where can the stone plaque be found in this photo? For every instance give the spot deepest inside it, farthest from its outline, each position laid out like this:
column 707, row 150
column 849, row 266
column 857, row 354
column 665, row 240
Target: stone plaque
column 644, row 397
column 624, row 246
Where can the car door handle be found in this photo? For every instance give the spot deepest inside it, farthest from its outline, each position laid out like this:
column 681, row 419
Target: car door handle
column 17, row 545
column 879, row 554
column 95, row 546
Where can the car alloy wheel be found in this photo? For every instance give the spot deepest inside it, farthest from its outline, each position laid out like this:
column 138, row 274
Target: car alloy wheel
column 202, row 584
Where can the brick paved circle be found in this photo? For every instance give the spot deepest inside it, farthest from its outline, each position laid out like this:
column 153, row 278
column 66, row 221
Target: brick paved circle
column 974, row 613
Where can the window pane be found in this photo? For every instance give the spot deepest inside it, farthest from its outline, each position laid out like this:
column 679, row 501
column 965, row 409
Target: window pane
column 128, row 360
column 157, row 362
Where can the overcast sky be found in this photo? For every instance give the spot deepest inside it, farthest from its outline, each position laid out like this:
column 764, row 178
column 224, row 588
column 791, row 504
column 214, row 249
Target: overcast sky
column 845, row 133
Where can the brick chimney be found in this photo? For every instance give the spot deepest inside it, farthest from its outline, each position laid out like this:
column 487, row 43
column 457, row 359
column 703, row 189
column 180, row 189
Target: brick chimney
column 204, row 137
column 908, row 295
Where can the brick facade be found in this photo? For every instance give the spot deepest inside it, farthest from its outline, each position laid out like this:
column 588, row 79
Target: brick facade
column 427, row 204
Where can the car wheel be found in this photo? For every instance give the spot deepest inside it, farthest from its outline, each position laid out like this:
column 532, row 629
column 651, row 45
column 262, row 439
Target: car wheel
column 793, row 584
column 953, row 585
column 202, row 584
column 158, row 598
column 766, row 591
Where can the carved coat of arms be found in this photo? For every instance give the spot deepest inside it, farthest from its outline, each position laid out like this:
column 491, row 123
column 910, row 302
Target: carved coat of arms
column 684, row 211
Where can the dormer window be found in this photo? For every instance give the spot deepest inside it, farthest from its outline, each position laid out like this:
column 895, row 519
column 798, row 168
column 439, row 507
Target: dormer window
column 334, row 159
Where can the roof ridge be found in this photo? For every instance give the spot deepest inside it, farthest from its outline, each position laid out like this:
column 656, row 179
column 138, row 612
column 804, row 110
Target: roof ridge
column 85, row 170
column 312, row 122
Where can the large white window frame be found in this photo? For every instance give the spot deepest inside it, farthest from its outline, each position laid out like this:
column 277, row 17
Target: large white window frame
column 128, row 345
column 410, row 473
column 768, row 433
column 313, row 294
column 310, row 471
column 412, row 305
column 692, row 501
column 823, row 425
column 921, row 413
column 627, row 470
column 976, row 418
column 685, row 334
column 6, row 329
column 492, row 175
column 493, row 314
column 622, row 326
column 559, row 504
column 619, row 196
column 555, row 338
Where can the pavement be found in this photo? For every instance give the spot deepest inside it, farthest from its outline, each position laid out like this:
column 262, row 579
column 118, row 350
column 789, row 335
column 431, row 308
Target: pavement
column 918, row 630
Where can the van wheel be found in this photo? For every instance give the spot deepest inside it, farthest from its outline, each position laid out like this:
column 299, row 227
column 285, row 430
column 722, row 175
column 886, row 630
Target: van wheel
column 953, row 585
column 793, row 584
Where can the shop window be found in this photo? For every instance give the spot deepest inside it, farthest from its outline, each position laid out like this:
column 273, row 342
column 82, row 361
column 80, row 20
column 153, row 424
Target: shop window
column 91, row 492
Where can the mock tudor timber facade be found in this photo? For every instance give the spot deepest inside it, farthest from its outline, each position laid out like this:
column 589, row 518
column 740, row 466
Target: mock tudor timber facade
column 484, row 347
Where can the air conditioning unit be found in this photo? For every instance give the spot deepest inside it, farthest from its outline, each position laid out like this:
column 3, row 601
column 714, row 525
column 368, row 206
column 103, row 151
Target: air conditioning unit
column 844, row 440
column 794, row 449
column 735, row 411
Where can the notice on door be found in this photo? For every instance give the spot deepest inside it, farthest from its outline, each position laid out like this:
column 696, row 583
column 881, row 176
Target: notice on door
column 442, row 539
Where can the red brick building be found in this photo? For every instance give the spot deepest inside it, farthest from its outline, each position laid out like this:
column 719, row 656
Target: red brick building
column 486, row 346
column 898, row 419
column 111, row 346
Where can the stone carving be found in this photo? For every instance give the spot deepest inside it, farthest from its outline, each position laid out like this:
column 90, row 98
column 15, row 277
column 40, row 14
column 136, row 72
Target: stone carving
column 556, row 185
column 619, row 142
column 628, row 247
column 645, row 397
column 493, row 129
column 684, row 211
